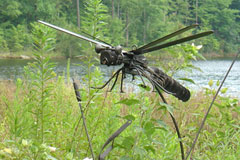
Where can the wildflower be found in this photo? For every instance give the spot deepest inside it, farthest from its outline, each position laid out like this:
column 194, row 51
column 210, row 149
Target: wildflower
column 25, row 143
column 87, row 158
column 7, row 150
column 197, row 47
column 52, row 149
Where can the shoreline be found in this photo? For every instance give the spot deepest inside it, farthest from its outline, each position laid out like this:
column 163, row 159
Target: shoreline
column 23, row 56
column 219, row 56
column 210, row 56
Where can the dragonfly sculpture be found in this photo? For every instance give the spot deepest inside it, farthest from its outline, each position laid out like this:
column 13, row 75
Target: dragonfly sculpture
column 134, row 63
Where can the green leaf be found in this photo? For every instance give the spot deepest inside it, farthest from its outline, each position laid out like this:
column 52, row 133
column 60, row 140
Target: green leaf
column 128, row 101
column 150, row 148
column 187, row 80
column 236, row 126
column 147, row 88
column 125, row 158
column 128, row 142
column 220, row 134
column 69, row 156
column 140, row 152
column 139, row 129
column 161, row 123
column 167, row 106
column 219, row 105
column 129, row 117
column 149, row 128
column 191, row 128
column 210, row 83
column 224, row 90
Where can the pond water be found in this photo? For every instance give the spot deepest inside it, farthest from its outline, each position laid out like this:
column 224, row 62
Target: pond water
column 11, row 69
column 216, row 70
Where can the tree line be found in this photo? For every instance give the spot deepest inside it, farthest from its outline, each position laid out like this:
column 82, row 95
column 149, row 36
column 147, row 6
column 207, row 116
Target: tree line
column 128, row 23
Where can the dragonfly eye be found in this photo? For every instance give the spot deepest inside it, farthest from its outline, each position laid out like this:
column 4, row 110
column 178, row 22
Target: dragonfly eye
column 118, row 50
column 99, row 48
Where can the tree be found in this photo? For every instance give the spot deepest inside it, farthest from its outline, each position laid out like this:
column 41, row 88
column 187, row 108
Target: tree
column 116, row 33
column 217, row 15
column 125, row 22
column 3, row 43
column 9, row 12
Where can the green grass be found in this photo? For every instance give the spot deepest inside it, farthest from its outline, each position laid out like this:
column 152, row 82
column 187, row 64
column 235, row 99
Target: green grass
column 150, row 136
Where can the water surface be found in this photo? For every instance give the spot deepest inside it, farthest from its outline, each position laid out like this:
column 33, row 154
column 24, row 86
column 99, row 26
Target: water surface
column 10, row 69
column 215, row 70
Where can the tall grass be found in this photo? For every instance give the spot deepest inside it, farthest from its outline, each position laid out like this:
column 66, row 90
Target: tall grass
column 150, row 136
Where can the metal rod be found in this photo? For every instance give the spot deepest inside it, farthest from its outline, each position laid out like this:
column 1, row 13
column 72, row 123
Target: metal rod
column 74, row 34
column 205, row 117
column 108, row 80
column 175, row 124
column 121, row 86
column 115, row 81
column 83, row 117
column 140, row 74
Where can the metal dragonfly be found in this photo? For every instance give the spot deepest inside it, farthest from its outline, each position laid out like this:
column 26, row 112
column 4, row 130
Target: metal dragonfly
column 134, row 63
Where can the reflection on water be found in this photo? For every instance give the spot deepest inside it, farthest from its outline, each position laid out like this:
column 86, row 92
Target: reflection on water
column 211, row 70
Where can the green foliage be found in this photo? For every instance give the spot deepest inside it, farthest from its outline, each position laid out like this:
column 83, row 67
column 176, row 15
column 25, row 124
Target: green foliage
column 38, row 74
column 221, row 18
column 29, row 117
column 116, row 31
column 17, row 38
column 15, row 114
column 129, row 102
column 3, row 43
column 10, row 9
column 132, row 22
column 95, row 19
column 26, row 149
column 224, row 114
